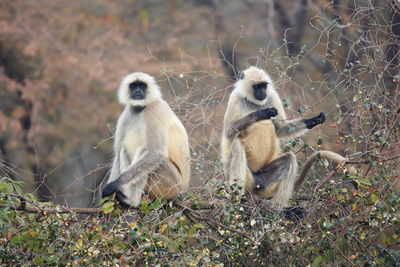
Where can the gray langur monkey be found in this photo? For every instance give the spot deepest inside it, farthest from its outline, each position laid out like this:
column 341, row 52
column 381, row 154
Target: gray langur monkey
column 151, row 145
column 254, row 123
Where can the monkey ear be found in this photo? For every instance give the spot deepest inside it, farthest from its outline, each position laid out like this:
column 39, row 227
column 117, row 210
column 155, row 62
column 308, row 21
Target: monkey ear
column 241, row 75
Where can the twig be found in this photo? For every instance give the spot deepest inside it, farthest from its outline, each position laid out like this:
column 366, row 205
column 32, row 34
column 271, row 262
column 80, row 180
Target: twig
column 36, row 208
column 60, row 209
column 194, row 214
column 388, row 136
column 341, row 252
column 368, row 162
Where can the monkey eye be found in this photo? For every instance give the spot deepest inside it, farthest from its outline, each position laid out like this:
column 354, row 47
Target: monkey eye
column 241, row 75
column 139, row 84
column 261, row 85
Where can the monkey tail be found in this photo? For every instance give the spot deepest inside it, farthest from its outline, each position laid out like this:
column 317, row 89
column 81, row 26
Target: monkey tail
column 323, row 154
column 237, row 172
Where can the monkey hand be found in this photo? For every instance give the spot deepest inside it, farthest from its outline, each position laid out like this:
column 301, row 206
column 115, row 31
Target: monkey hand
column 112, row 188
column 266, row 114
column 311, row 123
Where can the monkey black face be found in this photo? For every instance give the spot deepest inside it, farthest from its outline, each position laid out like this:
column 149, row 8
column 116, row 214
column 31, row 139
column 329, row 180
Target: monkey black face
column 260, row 90
column 138, row 90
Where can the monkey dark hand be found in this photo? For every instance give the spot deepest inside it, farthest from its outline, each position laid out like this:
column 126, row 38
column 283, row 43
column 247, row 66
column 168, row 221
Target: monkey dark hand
column 266, row 114
column 112, row 188
column 311, row 123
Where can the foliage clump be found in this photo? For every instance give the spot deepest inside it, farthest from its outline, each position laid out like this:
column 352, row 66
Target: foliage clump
column 344, row 226
column 343, row 53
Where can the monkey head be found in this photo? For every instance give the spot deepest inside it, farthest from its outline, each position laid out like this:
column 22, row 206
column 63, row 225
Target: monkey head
column 253, row 84
column 138, row 90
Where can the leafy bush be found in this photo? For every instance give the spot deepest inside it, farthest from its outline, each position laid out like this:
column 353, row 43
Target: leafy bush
column 343, row 53
column 344, row 226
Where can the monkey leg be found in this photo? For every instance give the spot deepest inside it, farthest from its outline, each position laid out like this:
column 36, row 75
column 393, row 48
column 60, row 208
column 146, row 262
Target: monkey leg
column 236, row 169
column 165, row 182
column 276, row 180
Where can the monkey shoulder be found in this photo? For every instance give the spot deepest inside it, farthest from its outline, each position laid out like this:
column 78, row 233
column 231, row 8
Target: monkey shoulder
column 159, row 112
column 168, row 124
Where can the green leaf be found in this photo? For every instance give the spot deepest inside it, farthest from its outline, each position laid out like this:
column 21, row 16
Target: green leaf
column 18, row 189
column 108, row 207
column 38, row 260
column 319, row 142
column 198, row 225
column 317, row 260
column 192, row 231
column 374, row 198
column 145, row 207
column 104, row 199
column 3, row 188
column 340, row 197
column 156, row 204
column 119, row 244
column 10, row 188
column 364, row 182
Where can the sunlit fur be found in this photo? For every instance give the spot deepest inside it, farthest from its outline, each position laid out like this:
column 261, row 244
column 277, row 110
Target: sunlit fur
column 153, row 90
column 151, row 147
column 257, row 146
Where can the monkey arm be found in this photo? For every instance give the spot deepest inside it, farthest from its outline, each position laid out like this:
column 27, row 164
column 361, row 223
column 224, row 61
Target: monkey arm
column 115, row 169
column 121, row 162
column 239, row 125
column 137, row 173
column 120, row 158
column 154, row 155
column 142, row 168
column 289, row 129
column 296, row 127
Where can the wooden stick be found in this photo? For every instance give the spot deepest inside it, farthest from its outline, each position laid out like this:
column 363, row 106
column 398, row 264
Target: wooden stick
column 60, row 209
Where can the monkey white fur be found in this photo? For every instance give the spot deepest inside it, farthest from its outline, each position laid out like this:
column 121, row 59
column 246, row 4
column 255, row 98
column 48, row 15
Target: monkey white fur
column 151, row 145
column 254, row 123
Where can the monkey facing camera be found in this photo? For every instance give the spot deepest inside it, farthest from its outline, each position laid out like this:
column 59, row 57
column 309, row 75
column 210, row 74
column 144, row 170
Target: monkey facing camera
column 151, row 147
column 254, row 125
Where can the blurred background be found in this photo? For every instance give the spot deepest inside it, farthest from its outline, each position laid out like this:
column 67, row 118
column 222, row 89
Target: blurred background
column 61, row 63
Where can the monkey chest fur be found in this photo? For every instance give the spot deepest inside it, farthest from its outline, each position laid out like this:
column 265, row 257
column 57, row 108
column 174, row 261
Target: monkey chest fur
column 260, row 143
column 134, row 142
